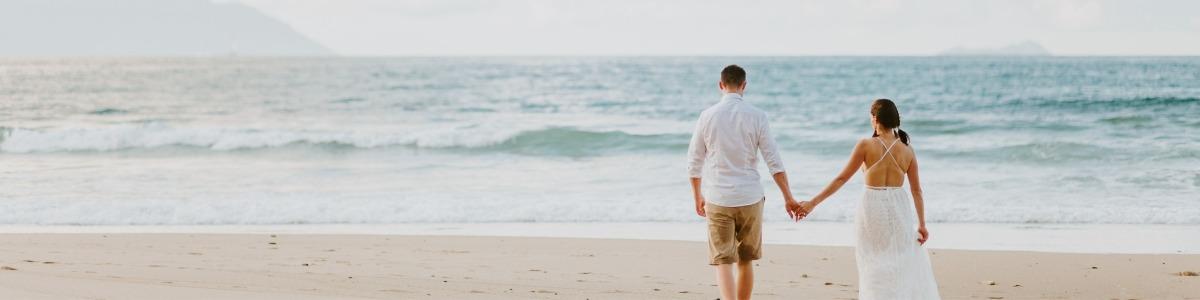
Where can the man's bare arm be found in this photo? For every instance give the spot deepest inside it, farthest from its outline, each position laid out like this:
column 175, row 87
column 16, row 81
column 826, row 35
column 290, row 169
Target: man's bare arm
column 698, row 196
column 790, row 204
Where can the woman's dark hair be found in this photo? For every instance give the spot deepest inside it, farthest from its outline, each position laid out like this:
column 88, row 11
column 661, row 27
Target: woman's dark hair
column 886, row 114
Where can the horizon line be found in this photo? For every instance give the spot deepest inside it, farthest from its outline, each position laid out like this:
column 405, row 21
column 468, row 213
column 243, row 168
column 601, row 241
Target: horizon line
column 533, row 55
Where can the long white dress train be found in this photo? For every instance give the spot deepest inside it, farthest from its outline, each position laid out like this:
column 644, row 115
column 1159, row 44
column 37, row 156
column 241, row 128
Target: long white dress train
column 892, row 264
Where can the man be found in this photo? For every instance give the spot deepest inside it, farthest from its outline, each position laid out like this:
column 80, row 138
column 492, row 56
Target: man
column 730, row 196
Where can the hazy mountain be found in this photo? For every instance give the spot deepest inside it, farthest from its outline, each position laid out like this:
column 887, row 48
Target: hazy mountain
column 1028, row 48
column 144, row 27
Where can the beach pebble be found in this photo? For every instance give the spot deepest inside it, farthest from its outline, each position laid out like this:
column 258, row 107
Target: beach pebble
column 7, row 268
column 1188, row 273
column 988, row 282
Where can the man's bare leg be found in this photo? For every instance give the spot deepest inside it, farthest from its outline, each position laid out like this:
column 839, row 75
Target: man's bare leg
column 725, row 281
column 745, row 279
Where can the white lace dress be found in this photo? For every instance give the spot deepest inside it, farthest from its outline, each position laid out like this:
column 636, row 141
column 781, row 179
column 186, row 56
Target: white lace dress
column 892, row 264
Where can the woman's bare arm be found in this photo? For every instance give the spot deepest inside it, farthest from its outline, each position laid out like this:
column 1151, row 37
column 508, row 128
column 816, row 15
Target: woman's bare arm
column 914, row 184
column 857, row 156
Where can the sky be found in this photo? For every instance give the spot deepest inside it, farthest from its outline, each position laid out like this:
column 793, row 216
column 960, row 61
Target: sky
column 754, row 27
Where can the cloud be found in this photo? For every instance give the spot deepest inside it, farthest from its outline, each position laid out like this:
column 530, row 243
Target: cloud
column 878, row 7
column 1072, row 14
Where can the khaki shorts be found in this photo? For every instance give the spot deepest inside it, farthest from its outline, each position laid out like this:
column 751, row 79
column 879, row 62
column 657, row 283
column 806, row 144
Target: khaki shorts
column 734, row 233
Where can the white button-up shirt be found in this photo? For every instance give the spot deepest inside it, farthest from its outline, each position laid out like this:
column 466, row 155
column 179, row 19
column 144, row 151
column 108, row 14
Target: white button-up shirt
column 722, row 152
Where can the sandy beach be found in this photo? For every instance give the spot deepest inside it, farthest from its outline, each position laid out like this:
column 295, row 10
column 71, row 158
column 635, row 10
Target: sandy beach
column 308, row 266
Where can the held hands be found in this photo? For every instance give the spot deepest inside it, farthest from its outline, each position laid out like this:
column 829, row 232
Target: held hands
column 793, row 209
column 808, row 206
column 799, row 210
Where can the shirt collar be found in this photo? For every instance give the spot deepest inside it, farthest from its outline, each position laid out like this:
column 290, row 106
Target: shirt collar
column 731, row 97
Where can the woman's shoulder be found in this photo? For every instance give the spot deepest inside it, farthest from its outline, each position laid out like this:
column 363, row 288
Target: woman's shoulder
column 867, row 141
column 906, row 149
column 864, row 143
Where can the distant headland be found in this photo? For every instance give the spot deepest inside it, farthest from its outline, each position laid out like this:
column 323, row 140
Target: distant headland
column 146, row 28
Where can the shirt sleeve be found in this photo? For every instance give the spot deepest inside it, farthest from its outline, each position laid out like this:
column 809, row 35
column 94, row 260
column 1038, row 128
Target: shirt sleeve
column 768, row 148
column 697, row 150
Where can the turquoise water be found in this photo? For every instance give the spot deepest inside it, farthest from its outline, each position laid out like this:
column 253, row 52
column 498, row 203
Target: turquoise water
column 415, row 140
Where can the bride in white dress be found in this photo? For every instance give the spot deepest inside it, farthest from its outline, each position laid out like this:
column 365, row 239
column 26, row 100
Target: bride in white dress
column 890, row 229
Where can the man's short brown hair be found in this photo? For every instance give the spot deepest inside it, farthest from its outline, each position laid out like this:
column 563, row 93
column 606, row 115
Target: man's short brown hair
column 733, row 76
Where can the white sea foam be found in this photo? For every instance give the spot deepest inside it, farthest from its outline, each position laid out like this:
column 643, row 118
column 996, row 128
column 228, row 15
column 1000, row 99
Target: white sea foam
column 320, row 209
column 125, row 137
column 472, row 133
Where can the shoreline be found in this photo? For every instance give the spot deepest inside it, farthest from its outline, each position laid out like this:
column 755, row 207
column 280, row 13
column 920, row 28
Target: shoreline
column 1049, row 238
column 347, row 266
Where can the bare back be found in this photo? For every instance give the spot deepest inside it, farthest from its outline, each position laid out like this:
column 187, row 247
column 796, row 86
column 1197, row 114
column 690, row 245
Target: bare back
column 886, row 162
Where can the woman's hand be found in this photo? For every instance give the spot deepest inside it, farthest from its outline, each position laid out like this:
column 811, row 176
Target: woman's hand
column 924, row 235
column 808, row 207
column 700, row 206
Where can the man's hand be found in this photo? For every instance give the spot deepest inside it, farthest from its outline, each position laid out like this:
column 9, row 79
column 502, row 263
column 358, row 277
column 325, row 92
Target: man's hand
column 696, row 194
column 793, row 209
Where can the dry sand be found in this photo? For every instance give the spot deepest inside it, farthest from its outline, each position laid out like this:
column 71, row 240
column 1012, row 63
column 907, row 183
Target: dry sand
column 261, row 266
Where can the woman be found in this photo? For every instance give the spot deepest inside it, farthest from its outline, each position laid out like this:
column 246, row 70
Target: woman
column 891, row 262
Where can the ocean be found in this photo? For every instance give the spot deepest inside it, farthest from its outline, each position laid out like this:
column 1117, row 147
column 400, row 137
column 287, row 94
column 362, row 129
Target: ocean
column 263, row 141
